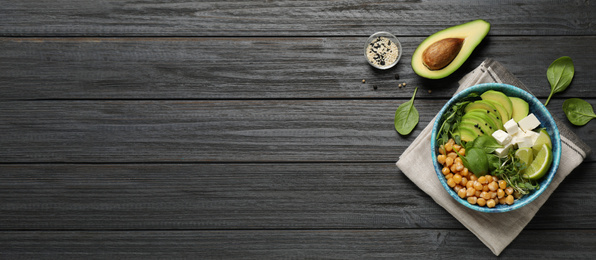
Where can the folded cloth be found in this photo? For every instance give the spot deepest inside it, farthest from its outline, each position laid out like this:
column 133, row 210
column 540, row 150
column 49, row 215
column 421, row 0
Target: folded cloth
column 495, row 230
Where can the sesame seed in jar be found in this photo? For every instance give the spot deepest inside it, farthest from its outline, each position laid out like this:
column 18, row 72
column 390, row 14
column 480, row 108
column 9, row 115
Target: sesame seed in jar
column 382, row 52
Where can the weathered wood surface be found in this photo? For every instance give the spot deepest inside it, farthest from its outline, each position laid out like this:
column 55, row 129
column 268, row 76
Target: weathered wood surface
column 259, row 68
column 242, row 129
column 239, row 196
column 289, row 18
column 293, row 244
column 214, row 131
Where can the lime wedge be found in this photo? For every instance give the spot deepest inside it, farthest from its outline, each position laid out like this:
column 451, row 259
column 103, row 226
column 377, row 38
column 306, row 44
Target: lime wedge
column 543, row 138
column 541, row 163
column 525, row 154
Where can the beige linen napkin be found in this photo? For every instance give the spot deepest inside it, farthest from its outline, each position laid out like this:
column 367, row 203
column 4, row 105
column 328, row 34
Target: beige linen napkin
column 495, row 230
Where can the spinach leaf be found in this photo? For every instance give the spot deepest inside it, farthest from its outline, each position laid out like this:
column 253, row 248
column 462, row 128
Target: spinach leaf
column 406, row 116
column 476, row 161
column 578, row 111
column 559, row 74
column 486, row 142
column 493, row 162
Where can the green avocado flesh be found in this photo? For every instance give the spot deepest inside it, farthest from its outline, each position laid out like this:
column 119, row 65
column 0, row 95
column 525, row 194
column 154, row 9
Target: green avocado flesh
column 466, row 134
column 472, row 32
column 484, row 105
column 499, row 98
column 482, row 121
column 502, row 111
column 478, row 123
column 521, row 108
column 488, row 117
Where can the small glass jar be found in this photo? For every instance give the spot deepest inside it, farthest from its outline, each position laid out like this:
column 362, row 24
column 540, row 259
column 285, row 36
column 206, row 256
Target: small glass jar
column 382, row 50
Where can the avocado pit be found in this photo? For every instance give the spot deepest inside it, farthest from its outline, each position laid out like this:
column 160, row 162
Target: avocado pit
column 439, row 54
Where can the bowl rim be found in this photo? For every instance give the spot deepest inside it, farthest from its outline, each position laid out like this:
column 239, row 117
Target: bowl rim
column 542, row 113
column 392, row 38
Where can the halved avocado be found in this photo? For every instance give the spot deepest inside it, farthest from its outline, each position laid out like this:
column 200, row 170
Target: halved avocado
column 521, row 108
column 457, row 43
column 502, row 111
column 500, row 98
column 484, row 105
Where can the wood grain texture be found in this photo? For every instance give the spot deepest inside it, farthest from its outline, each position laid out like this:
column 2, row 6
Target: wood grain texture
column 293, row 244
column 282, row 18
column 259, row 68
column 242, row 196
column 212, row 131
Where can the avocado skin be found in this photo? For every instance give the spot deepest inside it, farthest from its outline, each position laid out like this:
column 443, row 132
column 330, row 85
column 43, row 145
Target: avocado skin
column 472, row 32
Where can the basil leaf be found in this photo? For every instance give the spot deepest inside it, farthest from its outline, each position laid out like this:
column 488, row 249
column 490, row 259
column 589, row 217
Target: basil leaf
column 578, row 111
column 406, row 116
column 559, row 75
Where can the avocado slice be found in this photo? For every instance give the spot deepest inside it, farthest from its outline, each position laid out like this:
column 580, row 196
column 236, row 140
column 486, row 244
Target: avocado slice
column 521, row 108
column 496, row 123
column 472, row 127
column 502, row 111
column 484, row 105
column 483, row 121
column 452, row 46
column 478, row 123
column 500, row 98
column 466, row 134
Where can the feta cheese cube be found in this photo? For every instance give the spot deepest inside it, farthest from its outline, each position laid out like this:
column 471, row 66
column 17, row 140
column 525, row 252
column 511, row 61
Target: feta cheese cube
column 502, row 137
column 529, row 122
column 502, row 152
column 525, row 141
column 517, row 138
column 533, row 136
column 511, row 127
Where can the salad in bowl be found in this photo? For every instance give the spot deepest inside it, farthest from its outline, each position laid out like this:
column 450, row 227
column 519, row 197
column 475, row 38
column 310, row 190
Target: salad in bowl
column 495, row 147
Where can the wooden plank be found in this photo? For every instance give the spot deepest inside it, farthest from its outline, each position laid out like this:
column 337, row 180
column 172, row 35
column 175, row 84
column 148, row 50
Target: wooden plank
column 276, row 244
column 212, row 131
column 258, row 68
column 320, row 18
column 246, row 196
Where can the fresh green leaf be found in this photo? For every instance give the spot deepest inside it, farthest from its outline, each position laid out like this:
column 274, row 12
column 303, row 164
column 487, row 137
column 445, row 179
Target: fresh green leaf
column 406, row 116
column 493, row 162
column 487, row 143
column 559, row 75
column 477, row 161
column 578, row 111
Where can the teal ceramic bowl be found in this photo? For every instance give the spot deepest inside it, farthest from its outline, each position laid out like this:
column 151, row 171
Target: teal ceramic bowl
column 546, row 121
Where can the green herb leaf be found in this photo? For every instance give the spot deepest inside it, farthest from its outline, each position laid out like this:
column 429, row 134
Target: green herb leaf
column 493, row 162
column 578, row 111
column 487, row 143
column 559, row 75
column 406, row 116
column 477, row 161
column 450, row 120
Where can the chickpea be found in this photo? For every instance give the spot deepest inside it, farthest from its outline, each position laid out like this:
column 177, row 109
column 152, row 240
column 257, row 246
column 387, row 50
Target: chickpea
column 493, row 186
column 441, row 158
column 472, row 200
column 457, row 178
column 445, row 170
column 448, row 161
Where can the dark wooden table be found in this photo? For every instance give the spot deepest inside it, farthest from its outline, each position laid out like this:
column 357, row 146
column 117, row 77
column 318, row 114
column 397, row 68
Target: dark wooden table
column 242, row 129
